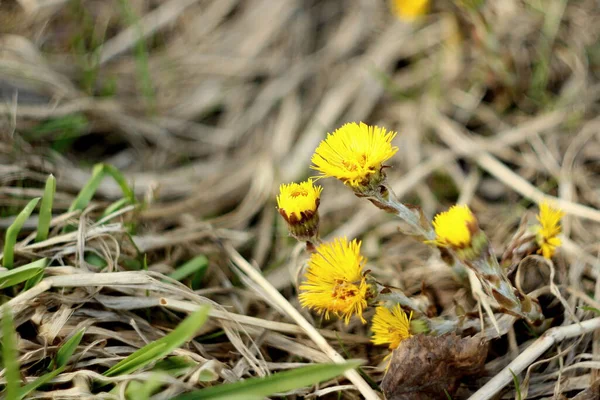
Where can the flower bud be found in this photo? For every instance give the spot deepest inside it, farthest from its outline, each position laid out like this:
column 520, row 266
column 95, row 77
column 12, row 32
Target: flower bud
column 298, row 204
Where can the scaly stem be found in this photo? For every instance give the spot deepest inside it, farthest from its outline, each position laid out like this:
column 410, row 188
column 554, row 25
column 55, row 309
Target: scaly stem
column 492, row 277
column 395, row 296
column 496, row 284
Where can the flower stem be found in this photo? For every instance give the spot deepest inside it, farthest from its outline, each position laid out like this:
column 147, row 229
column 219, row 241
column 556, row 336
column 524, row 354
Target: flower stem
column 397, row 297
column 496, row 284
column 491, row 275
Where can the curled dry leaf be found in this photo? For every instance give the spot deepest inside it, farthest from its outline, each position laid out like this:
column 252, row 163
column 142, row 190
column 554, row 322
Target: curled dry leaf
column 422, row 367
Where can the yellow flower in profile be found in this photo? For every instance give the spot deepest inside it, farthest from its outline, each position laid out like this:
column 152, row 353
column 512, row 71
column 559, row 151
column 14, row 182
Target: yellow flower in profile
column 454, row 228
column 390, row 326
column 409, row 10
column 549, row 229
column 298, row 200
column 335, row 282
column 354, row 153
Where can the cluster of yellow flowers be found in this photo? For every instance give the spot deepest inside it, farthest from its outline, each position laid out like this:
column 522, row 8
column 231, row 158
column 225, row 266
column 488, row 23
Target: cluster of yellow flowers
column 457, row 228
column 336, row 281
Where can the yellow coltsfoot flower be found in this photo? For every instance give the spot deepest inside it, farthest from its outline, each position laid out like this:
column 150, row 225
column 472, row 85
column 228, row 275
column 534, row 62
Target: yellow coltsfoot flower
column 335, row 281
column 390, row 326
column 458, row 230
column 455, row 227
column 355, row 154
column 298, row 204
column 548, row 230
column 409, row 10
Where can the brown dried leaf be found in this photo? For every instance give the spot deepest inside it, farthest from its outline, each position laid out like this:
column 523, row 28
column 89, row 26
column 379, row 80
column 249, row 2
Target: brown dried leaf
column 422, row 367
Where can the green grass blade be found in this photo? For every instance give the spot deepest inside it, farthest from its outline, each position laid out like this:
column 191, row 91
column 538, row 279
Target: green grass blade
column 46, row 209
column 276, row 383
column 142, row 390
column 517, row 385
column 95, row 260
column 72, row 125
column 140, row 358
column 588, row 308
column 141, row 56
column 195, row 264
column 13, row 231
column 175, row 365
column 121, row 181
column 68, row 348
column 9, row 355
column 87, row 192
column 117, row 205
column 162, row 347
column 21, row 274
column 30, row 387
column 362, row 373
column 34, row 280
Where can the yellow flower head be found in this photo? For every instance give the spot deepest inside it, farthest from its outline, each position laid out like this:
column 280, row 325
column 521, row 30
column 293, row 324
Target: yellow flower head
column 454, row 228
column 390, row 326
column 549, row 229
column 298, row 201
column 409, row 10
column 335, row 282
column 354, row 153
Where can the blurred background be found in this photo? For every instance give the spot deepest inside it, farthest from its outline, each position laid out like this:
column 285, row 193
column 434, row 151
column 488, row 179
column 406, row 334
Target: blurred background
column 206, row 106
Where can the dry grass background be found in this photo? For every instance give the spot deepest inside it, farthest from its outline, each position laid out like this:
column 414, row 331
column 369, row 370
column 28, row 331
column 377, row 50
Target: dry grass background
column 225, row 99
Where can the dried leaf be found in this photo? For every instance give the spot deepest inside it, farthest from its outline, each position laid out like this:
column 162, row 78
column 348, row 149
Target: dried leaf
column 423, row 367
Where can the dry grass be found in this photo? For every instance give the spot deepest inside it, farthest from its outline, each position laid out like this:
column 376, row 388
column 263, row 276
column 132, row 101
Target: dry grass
column 224, row 100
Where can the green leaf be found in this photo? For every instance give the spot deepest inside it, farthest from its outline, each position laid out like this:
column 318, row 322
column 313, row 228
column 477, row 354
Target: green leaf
column 588, row 308
column 117, row 205
column 13, row 391
column 175, row 365
column 207, row 375
column 362, row 373
column 31, row 282
column 162, row 347
column 68, row 348
column 276, row 383
column 10, row 355
column 87, row 192
column 142, row 390
column 140, row 55
column 13, row 231
column 46, row 209
column 21, row 274
column 62, row 131
column 195, row 264
column 517, row 385
column 30, row 387
column 95, row 260
column 98, row 173
column 121, row 181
